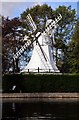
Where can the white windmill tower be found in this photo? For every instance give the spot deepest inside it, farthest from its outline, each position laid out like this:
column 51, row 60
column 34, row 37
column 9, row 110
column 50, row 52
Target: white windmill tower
column 42, row 58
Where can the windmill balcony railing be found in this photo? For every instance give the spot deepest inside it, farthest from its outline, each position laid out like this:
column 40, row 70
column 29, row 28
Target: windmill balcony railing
column 38, row 70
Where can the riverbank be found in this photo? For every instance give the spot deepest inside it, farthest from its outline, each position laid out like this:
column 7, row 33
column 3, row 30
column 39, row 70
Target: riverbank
column 39, row 95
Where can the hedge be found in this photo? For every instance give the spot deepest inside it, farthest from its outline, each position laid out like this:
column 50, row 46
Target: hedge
column 31, row 83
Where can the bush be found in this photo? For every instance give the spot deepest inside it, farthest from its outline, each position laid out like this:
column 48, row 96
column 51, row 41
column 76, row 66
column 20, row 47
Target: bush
column 41, row 83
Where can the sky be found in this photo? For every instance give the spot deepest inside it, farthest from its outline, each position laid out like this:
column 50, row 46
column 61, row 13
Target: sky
column 14, row 9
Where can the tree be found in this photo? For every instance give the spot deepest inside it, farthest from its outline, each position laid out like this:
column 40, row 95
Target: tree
column 74, row 51
column 10, row 42
column 12, row 36
column 64, row 34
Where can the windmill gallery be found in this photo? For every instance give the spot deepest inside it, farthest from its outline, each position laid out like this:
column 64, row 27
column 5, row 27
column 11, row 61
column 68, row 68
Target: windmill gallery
column 42, row 56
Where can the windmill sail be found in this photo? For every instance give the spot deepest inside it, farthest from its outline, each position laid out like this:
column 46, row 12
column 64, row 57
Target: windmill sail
column 46, row 30
column 23, row 48
column 31, row 22
column 45, row 58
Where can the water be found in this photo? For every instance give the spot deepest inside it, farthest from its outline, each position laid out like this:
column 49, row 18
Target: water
column 39, row 110
column 0, row 108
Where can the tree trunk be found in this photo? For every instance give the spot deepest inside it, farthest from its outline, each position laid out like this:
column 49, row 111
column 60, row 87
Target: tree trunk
column 56, row 55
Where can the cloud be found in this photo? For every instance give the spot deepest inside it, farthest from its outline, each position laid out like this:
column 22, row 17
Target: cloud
column 14, row 9
column 38, row 3
column 23, row 0
column 7, row 9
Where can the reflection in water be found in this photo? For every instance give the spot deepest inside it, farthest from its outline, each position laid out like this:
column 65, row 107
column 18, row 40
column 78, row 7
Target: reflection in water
column 0, row 108
column 41, row 110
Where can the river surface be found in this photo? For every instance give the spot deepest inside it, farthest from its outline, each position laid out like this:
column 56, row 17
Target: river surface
column 40, row 110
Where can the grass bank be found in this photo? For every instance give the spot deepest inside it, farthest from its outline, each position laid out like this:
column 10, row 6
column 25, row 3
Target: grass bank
column 31, row 83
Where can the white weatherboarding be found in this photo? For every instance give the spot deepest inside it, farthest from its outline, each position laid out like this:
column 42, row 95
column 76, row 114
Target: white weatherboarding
column 42, row 55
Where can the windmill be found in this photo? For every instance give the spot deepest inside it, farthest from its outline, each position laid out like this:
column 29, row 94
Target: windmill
column 42, row 59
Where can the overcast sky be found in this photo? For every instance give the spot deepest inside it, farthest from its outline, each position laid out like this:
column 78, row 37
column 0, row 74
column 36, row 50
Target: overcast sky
column 14, row 9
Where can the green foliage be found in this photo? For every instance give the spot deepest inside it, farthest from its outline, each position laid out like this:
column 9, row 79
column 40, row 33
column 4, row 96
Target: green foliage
column 10, row 42
column 74, row 51
column 41, row 83
column 64, row 34
column 64, row 31
column 40, row 14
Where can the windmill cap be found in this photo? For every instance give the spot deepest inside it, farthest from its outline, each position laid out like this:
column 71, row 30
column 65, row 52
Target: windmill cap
column 48, row 22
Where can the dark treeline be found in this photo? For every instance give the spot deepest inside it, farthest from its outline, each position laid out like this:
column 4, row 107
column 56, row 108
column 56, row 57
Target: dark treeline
column 66, row 37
